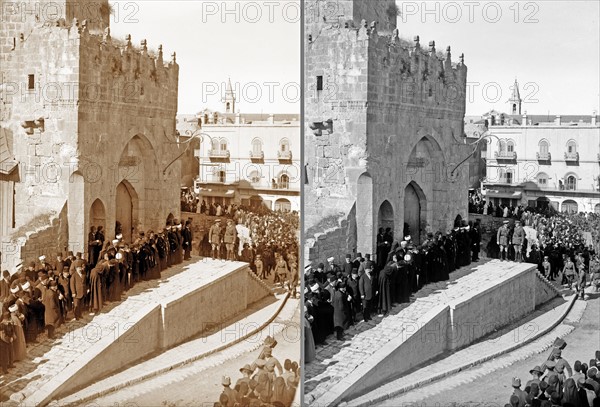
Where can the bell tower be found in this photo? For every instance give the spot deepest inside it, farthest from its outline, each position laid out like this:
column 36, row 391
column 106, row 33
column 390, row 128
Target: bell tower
column 515, row 100
column 229, row 101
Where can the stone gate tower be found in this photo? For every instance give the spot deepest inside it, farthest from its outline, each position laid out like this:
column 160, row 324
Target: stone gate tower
column 384, row 130
column 87, row 129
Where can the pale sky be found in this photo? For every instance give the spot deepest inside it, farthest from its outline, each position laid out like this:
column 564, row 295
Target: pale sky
column 254, row 43
column 557, row 57
column 551, row 47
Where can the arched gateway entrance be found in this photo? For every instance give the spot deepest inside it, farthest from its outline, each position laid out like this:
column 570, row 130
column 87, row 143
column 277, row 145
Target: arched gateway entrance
column 414, row 207
column 126, row 208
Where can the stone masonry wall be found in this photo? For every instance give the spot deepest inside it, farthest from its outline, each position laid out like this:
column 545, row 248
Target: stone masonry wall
column 388, row 114
column 101, row 111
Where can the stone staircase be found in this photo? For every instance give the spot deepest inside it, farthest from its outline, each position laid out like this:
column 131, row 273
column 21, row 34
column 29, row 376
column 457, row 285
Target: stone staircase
column 260, row 282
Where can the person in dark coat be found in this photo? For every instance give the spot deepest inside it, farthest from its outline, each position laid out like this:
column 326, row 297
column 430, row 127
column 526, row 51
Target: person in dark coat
column 352, row 288
column 96, row 291
column 187, row 235
column 52, row 314
column 342, row 316
column 79, row 291
column 366, row 287
column 385, row 289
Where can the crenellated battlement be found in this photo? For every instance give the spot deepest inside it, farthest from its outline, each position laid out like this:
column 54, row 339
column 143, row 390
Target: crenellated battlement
column 414, row 73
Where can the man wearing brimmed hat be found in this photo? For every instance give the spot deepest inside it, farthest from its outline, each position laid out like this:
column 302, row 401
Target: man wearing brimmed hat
column 367, row 288
column 52, row 313
column 502, row 240
column 229, row 238
column 214, row 238
column 516, row 384
column 228, row 391
column 536, row 373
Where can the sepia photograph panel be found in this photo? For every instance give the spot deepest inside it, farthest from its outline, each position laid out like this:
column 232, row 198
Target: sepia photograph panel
column 150, row 180
column 451, row 203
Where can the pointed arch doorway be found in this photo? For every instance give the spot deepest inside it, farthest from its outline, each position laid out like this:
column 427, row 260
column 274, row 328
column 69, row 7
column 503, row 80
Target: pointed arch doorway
column 414, row 206
column 126, row 208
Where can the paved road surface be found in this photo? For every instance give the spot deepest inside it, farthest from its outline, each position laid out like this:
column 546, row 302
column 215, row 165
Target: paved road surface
column 199, row 384
column 490, row 382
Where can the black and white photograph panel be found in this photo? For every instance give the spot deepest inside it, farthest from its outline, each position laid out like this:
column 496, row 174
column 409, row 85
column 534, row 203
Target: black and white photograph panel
column 150, row 166
column 451, row 203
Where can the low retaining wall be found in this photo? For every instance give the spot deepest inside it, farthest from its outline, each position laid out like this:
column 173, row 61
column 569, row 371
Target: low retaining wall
column 159, row 323
column 449, row 326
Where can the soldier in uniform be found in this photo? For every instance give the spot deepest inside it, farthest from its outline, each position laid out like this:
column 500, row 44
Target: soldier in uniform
column 229, row 239
column 502, row 239
column 517, row 241
column 214, row 238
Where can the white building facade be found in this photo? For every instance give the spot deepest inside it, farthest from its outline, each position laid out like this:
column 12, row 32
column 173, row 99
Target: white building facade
column 251, row 160
column 540, row 161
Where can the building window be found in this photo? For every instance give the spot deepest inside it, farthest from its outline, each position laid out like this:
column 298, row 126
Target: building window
column 284, row 181
column 284, row 145
column 228, row 107
column 571, row 183
column 543, row 147
column 31, row 82
column 509, row 177
column 255, row 177
column 215, row 144
column 319, row 82
column 570, row 206
column 502, row 146
column 221, row 176
column 542, row 179
column 223, row 144
column 510, row 146
column 256, row 146
column 571, row 147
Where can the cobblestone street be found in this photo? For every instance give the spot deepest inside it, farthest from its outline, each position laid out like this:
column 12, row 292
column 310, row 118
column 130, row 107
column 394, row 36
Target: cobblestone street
column 48, row 357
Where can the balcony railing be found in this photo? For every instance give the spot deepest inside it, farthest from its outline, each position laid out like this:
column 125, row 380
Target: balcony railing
column 571, row 156
column 257, row 155
column 543, row 156
column 284, row 155
column 505, row 155
column 218, row 153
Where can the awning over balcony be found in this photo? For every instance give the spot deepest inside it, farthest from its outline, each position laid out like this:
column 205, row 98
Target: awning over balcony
column 503, row 194
column 224, row 194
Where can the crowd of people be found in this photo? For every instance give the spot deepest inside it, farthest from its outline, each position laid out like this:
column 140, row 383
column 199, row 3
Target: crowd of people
column 264, row 383
column 340, row 295
column 265, row 239
column 42, row 295
column 558, row 383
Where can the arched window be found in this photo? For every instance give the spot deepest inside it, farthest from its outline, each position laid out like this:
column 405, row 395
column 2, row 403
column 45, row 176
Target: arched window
column 542, row 179
column 597, row 209
column 502, row 146
column 215, row 144
column 284, row 181
column 284, row 145
column 223, row 144
column 544, row 147
column 571, row 182
column 569, row 206
column 219, row 174
column 510, row 146
column 228, row 107
column 571, row 147
column 256, row 147
column 255, row 177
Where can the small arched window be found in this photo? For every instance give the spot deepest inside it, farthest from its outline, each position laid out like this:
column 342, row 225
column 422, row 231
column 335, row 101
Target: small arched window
column 542, row 179
column 255, row 177
column 215, row 144
column 510, row 146
column 543, row 147
column 284, row 181
column 223, row 144
column 571, row 183
column 571, row 147
column 256, row 146
column 284, row 145
column 502, row 146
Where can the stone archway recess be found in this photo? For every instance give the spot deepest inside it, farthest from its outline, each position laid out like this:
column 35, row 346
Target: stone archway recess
column 385, row 217
column 98, row 214
column 364, row 214
column 126, row 208
column 415, row 211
